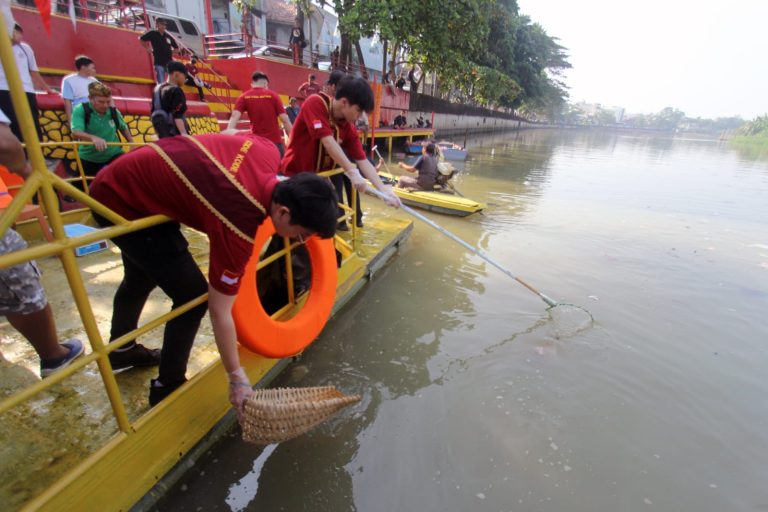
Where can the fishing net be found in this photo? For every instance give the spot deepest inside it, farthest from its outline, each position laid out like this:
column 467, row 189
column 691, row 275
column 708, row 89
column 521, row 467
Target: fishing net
column 567, row 320
column 276, row 415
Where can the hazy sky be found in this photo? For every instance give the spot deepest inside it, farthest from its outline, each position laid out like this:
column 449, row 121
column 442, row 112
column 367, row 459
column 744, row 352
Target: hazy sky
column 708, row 58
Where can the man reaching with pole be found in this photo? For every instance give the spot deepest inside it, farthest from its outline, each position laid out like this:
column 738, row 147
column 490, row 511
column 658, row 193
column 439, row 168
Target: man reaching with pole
column 325, row 130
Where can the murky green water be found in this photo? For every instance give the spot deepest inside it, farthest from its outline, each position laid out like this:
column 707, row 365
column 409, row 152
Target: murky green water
column 470, row 401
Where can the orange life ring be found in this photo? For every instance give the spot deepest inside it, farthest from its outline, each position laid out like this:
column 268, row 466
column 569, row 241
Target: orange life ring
column 260, row 333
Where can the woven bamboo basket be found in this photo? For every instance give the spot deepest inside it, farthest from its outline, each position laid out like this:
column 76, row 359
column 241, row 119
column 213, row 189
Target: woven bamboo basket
column 276, row 415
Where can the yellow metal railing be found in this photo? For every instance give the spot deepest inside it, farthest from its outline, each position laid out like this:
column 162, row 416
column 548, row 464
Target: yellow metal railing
column 46, row 183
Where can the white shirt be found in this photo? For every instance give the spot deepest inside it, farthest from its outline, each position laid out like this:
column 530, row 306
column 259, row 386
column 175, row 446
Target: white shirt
column 3, row 118
column 75, row 88
column 25, row 62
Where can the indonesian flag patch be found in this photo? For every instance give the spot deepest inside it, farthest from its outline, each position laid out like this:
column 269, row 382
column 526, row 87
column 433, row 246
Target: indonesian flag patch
column 230, row 278
column 317, row 124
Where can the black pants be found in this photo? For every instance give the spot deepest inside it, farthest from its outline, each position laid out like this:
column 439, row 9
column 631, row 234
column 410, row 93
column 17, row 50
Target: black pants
column 7, row 106
column 159, row 256
column 92, row 169
column 191, row 82
column 342, row 183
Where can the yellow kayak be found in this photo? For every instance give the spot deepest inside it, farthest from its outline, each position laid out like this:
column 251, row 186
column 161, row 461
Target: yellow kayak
column 440, row 202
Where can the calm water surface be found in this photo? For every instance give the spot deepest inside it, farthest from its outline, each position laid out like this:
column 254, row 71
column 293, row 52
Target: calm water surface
column 470, row 403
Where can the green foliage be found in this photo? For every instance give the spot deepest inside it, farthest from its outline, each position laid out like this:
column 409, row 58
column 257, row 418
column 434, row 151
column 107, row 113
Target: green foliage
column 756, row 127
column 482, row 51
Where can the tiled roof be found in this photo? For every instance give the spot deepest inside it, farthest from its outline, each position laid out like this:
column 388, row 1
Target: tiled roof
column 281, row 11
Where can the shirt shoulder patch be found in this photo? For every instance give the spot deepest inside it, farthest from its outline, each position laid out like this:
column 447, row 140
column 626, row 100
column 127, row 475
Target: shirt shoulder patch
column 230, row 278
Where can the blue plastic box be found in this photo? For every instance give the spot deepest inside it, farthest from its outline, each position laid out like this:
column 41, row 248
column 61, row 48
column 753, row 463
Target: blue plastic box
column 73, row 230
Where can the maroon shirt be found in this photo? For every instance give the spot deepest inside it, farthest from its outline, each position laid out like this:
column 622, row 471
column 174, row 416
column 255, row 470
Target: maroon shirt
column 263, row 107
column 305, row 152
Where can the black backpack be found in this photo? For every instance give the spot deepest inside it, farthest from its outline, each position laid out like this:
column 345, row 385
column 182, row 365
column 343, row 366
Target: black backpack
column 112, row 112
column 162, row 120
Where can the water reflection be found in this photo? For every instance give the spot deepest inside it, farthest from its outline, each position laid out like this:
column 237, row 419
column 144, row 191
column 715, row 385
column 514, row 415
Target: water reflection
column 471, row 402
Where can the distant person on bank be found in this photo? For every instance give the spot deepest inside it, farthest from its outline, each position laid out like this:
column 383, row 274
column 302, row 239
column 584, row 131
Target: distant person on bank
column 161, row 45
column 30, row 78
column 22, row 297
column 264, row 108
column 74, row 87
column 97, row 122
column 189, row 180
column 425, row 166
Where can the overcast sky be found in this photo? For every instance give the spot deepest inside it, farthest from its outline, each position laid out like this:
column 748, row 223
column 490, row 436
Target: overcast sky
column 708, row 58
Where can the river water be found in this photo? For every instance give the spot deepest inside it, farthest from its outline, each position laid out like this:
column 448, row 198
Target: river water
column 470, row 400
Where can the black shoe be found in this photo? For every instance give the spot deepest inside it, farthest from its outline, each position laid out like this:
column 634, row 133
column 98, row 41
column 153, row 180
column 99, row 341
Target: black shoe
column 158, row 391
column 342, row 226
column 136, row 356
column 359, row 223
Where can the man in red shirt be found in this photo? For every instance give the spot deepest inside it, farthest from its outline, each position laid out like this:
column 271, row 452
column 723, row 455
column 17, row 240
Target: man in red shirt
column 263, row 107
column 325, row 130
column 224, row 186
column 307, row 89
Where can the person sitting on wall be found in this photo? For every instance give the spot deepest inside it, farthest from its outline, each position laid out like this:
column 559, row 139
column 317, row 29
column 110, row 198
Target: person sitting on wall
column 22, row 297
column 420, row 122
column 98, row 122
column 400, row 121
column 74, row 87
column 189, row 180
column 425, row 166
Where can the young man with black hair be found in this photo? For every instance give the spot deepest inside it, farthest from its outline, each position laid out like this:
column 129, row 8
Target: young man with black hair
column 325, row 130
column 224, row 186
column 74, row 87
column 264, row 107
column 340, row 181
column 169, row 104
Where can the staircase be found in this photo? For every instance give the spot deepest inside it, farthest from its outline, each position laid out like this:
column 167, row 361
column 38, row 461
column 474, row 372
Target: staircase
column 220, row 97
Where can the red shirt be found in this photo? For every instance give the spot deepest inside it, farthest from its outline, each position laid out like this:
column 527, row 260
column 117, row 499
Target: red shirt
column 263, row 107
column 141, row 183
column 305, row 150
column 308, row 89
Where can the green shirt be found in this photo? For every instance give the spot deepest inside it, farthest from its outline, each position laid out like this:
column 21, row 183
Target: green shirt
column 101, row 126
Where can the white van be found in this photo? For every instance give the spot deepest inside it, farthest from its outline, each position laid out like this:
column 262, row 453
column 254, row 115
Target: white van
column 183, row 30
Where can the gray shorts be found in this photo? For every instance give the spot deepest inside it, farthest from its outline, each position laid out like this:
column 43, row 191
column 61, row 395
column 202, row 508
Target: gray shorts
column 20, row 290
